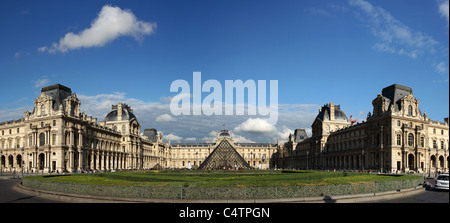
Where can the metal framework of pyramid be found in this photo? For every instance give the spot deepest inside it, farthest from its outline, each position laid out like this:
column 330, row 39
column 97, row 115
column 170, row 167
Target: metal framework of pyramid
column 224, row 157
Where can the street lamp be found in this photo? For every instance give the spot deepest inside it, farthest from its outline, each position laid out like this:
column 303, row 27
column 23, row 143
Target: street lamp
column 429, row 162
column 22, row 162
column 436, row 163
column 251, row 159
column 362, row 160
column 307, row 153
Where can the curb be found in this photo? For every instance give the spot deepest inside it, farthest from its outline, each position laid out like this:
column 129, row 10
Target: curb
column 353, row 198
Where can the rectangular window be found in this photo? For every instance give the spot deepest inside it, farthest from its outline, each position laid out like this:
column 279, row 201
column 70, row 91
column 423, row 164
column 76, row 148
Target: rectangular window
column 54, row 139
column 399, row 140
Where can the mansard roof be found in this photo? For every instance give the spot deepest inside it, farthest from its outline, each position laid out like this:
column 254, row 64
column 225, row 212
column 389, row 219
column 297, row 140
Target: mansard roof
column 396, row 92
column 325, row 112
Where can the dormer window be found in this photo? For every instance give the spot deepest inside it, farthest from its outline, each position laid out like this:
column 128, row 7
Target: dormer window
column 410, row 110
column 42, row 110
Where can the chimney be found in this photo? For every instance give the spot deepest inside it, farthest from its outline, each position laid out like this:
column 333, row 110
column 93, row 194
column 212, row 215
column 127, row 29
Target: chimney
column 332, row 111
column 119, row 111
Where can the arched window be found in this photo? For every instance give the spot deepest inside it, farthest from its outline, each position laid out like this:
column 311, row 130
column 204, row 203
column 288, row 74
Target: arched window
column 41, row 139
column 411, row 139
column 42, row 110
column 410, row 110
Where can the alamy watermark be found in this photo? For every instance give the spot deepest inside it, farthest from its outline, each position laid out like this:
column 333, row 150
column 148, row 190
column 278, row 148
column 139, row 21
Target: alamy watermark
column 213, row 103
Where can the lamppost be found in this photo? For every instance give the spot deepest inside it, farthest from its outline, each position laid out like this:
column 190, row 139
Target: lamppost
column 436, row 163
column 251, row 159
column 22, row 162
column 1, row 163
column 429, row 162
column 307, row 153
column 362, row 160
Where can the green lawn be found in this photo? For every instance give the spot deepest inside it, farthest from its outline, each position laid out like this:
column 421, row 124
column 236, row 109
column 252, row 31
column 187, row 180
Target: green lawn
column 217, row 178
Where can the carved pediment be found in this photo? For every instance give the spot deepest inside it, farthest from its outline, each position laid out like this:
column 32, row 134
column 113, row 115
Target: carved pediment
column 42, row 98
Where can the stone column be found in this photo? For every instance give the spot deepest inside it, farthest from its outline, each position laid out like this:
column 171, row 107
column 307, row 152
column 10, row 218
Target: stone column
column 81, row 152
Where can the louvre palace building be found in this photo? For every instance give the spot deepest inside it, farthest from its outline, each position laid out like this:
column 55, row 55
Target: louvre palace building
column 396, row 136
column 57, row 137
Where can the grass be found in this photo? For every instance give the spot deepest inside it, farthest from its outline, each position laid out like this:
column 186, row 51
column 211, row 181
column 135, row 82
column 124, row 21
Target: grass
column 217, row 178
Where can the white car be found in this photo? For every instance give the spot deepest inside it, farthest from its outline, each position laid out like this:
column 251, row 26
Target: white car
column 441, row 182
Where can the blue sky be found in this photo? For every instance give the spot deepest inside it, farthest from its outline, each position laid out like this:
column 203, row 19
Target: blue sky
column 319, row 51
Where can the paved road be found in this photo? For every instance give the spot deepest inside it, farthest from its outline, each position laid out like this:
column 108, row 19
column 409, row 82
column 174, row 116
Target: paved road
column 9, row 195
column 429, row 196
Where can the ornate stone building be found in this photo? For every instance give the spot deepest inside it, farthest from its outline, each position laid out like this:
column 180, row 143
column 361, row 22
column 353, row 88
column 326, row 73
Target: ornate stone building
column 192, row 155
column 57, row 137
column 396, row 136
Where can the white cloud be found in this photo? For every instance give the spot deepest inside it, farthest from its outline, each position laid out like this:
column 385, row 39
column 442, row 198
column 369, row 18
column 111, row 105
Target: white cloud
column 255, row 125
column 165, row 118
column 443, row 10
column 191, row 139
column 393, row 35
column 41, row 82
column 283, row 135
column 111, row 23
column 241, row 139
column 13, row 113
column 204, row 128
column 173, row 138
column 441, row 68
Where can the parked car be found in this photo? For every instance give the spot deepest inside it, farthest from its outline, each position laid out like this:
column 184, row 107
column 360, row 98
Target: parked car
column 441, row 182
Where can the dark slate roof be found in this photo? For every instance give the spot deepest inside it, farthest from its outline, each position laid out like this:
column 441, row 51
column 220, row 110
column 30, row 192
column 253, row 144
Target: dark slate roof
column 300, row 135
column 339, row 115
column 126, row 115
column 152, row 134
column 58, row 92
column 224, row 133
column 396, row 92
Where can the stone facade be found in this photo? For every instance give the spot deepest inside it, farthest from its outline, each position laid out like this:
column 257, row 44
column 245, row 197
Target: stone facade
column 396, row 136
column 192, row 155
column 57, row 137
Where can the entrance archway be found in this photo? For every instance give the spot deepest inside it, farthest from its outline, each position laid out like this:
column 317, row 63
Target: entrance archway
column 411, row 161
column 19, row 161
column 433, row 161
column 41, row 161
